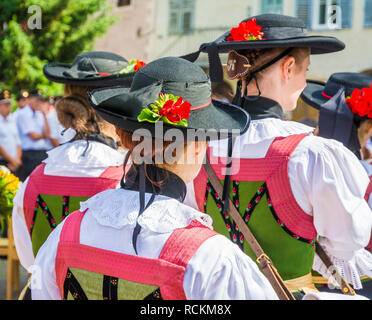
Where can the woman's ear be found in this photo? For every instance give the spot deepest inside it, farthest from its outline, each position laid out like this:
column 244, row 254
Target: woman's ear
column 287, row 68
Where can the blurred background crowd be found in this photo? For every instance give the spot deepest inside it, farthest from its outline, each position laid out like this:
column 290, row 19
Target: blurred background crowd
column 30, row 131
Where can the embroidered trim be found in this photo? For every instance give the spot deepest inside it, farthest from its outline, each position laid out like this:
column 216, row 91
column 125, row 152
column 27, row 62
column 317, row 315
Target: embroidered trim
column 155, row 295
column 231, row 226
column 44, row 208
column 219, row 204
column 65, row 206
column 72, row 285
column 254, row 202
column 110, row 288
column 283, row 226
column 236, row 203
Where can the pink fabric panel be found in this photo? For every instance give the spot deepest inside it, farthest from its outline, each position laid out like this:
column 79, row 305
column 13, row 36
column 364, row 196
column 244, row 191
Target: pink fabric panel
column 278, row 184
column 167, row 271
column 132, row 268
column 39, row 183
column 274, row 170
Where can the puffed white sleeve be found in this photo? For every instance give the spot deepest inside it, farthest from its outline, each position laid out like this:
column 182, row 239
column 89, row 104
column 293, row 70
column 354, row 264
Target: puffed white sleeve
column 224, row 274
column 329, row 183
column 43, row 280
column 22, row 239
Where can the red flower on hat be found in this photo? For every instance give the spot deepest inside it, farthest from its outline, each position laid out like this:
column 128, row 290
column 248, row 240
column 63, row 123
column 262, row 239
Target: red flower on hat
column 176, row 111
column 139, row 65
column 246, row 31
column 167, row 108
column 360, row 102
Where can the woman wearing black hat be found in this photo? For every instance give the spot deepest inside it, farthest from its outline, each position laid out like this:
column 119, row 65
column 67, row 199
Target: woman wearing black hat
column 89, row 163
column 345, row 104
column 291, row 188
column 140, row 241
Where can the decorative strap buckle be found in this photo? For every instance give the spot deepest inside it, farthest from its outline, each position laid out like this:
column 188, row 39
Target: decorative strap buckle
column 263, row 256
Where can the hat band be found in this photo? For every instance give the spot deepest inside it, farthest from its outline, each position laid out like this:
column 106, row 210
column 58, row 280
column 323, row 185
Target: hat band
column 326, row 96
column 202, row 106
column 283, row 33
column 5, row 101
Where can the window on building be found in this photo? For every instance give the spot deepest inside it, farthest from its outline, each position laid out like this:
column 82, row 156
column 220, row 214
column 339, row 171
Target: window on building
column 325, row 14
column 181, row 16
column 272, row 6
column 123, row 3
column 368, row 13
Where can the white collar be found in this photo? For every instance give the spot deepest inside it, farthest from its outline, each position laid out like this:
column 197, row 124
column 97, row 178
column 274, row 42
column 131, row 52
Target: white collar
column 119, row 208
column 68, row 158
column 270, row 128
column 259, row 136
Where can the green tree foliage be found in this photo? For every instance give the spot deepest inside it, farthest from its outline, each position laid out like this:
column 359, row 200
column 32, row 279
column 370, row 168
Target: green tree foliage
column 53, row 31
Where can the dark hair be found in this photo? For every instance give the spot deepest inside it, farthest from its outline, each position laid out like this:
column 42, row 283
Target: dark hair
column 223, row 89
column 259, row 57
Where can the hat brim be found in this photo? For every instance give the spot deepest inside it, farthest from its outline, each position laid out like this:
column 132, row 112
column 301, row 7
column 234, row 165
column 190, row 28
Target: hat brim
column 317, row 44
column 312, row 94
column 54, row 72
column 218, row 120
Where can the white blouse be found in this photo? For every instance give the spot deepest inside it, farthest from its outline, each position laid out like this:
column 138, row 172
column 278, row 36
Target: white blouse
column 219, row 270
column 328, row 183
column 65, row 160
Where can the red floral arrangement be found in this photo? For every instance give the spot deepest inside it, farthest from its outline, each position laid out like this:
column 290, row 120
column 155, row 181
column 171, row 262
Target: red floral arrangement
column 246, row 31
column 360, row 102
column 176, row 111
column 167, row 108
column 139, row 65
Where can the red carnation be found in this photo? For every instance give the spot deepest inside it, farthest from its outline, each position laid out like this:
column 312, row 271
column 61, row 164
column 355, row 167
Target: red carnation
column 176, row 111
column 139, row 65
column 246, row 31
column 360, row 102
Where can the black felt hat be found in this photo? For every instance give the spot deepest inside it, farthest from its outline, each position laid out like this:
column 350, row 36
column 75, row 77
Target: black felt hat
column 122, row 106
column 96, row 68
column 279, row 31
column 317, row 93
column 36, row 93
column 336, row 119
column 23, row 94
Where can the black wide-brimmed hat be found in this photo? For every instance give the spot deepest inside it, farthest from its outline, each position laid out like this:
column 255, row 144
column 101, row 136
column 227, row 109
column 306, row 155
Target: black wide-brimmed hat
column 337, row 119
column 96, row 68
column 276, row 31
column 317, row 93
column 183, row 81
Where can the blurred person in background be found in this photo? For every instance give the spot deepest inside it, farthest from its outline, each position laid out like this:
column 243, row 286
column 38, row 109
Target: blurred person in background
column 22, row 101
column 34, row 133
column 10, row 146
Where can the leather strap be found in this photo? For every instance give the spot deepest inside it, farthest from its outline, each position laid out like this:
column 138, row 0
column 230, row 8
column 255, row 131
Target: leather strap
column 345, row 287
column 263, row 260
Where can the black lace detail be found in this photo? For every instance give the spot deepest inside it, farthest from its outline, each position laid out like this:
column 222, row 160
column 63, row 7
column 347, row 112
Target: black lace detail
column 72, row 285
column 155, row 295
column 110, row 288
